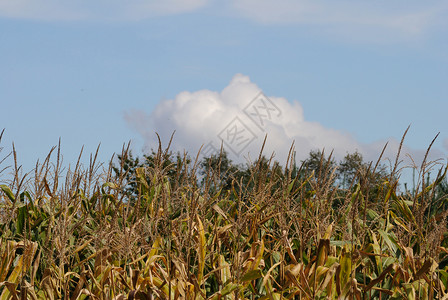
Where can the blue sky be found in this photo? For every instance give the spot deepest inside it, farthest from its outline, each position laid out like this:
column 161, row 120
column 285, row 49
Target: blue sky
column 345, row 76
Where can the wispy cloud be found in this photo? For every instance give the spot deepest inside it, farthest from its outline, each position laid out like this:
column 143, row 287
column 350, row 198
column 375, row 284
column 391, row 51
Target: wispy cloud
column 390, row 18
column 239, row 117
column 95, row 10
column 354, row 20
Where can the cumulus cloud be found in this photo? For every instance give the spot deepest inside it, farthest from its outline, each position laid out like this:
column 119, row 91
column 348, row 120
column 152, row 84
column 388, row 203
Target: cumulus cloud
column 404, row 18
column 97, row 10
column 239, row 117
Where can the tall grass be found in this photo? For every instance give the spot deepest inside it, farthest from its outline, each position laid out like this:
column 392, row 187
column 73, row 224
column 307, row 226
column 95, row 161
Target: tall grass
column 282, row 233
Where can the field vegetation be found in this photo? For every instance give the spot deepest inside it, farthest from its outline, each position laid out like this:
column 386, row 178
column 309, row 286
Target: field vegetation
column 171, row 226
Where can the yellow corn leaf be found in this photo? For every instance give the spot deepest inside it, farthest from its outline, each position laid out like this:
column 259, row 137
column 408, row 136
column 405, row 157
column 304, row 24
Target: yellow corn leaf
column 409, row 261
column 225, row 269
column 404, row 209
column 289, row 249
column 268, row 274
column 317, row 276
column 399, row 221
column 159, row 284
column 346, row 268
column 292, row 272
column 390, row 193
column 258, row 255
column 351, row 290
column 201, row 250
column 322, row 251
column 328, row 232
column 7, row 251
column 80, row 248
column 11, row 289
column 376, row 250
column 104, row 277
column 326, row 283
column 101, row 261
column 22, row 266
column 275, row 296
column 152, row 256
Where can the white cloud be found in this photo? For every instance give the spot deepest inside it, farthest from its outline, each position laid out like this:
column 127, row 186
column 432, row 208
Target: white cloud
column 372, row 21
column 202, row 117
column 346, row 17
column 96, row 10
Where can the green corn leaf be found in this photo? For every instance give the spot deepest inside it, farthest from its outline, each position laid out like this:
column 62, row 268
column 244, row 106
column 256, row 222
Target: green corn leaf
column 252, row 275
column 22, row 217
column 389, row 240
column 8, row 193
column 229, row 288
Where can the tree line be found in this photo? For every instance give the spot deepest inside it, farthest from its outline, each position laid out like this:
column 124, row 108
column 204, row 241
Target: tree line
column 219, row 172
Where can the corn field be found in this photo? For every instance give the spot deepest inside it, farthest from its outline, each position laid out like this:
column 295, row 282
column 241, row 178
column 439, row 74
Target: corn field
column 77, row 233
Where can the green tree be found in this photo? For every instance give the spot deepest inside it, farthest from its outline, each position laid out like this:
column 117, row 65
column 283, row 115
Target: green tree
column 219, row 172
column 353, row 169
column 173, row 166
column 349, row 168
column 319, row 164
